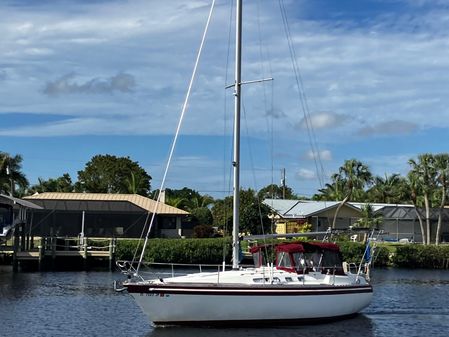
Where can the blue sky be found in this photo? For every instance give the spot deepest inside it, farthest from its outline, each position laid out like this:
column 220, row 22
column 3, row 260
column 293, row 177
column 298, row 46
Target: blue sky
column 79, row 78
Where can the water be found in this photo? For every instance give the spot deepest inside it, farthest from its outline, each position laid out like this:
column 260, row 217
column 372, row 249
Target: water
column 406, row 303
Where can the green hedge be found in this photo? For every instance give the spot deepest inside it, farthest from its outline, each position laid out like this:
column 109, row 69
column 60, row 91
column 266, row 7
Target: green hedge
column 194, row 251
column 210, row 251
column 353, row 251
column 419, row 256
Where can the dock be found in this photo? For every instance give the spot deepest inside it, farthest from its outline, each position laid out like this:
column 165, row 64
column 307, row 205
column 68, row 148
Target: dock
column 51, row 253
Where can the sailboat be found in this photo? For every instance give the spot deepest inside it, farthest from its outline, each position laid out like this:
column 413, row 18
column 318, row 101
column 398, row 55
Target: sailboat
column 307, row 283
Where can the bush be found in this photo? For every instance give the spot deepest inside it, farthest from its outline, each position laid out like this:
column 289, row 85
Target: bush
column 419, row 256
column 202, row 216
column 203, row 231
column 210, row 251
column 353, row 251
column 125, row 249
column 194, row 251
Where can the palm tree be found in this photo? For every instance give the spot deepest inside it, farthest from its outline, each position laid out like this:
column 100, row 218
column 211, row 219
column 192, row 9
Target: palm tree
column 369, row 218
column 332, row 191
column 388, row 189
column 414, row 187
column 10, row 173
column 199, row 201
column 353, row 177
column 442, row 178
column 425, row 173
column 176, row 201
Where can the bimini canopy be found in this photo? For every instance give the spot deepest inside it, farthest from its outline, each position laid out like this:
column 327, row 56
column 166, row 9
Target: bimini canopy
column 321, row 246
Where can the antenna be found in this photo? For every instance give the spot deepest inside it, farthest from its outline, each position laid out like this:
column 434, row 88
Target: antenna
column 283, row 182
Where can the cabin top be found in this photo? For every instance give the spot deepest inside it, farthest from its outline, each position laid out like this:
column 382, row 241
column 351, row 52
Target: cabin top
column 300, row 257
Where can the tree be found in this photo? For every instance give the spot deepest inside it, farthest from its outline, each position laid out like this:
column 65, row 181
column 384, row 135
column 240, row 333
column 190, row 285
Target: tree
column 203, row 231
column 60, row 184
column 353, row 177
column 390, row 189
column 222, row 213
column 274, row 191
column 331, row 192
column 423, row 170
column 202, row 216
column 441, row 162
column 253, row 214
column 111, row 174
column 185, row 198
column 176, row 201
column 414, row 187
column 369, row 218
column 10, row 173
column 200, row 201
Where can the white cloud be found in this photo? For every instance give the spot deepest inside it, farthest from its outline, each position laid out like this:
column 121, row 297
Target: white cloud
column 390, row 67
column 323, row 155
column 394, row 127
column 306, row 174
column 322, row 120
column 66, row 85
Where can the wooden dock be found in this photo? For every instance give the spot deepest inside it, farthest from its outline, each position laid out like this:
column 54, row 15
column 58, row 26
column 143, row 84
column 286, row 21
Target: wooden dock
column 47, row 252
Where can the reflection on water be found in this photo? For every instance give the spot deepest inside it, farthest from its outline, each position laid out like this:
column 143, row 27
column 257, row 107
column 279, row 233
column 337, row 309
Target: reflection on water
column 358, row 326
column 410, row 303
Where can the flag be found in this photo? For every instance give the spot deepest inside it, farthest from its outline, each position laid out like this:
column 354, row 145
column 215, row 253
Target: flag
column 367, row 252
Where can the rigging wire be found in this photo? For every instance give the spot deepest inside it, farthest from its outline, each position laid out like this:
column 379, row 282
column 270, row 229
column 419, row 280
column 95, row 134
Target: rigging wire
column 270, row 124
column 302, row 97
column 225, row 129
column 178, row 129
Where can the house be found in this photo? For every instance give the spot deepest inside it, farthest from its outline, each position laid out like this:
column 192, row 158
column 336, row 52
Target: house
column 318, row 214
column 398, row 221
column 105, row 215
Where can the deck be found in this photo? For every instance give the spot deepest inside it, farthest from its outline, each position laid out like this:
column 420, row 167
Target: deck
column 47, row 250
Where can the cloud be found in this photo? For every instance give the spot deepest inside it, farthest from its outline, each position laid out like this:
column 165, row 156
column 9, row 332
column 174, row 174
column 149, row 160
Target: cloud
column 276, row 113
column 305, row 174
column 323, row 155
column 392, row 63
column 121, row 82
column 394, row 127
column 2, row 74
column 322, row 120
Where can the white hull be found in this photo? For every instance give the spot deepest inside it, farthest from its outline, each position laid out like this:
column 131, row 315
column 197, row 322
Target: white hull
column 233, row 303
column 187, row 309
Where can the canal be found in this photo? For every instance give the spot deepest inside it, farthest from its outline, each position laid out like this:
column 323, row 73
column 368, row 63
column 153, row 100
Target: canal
column 406, row 303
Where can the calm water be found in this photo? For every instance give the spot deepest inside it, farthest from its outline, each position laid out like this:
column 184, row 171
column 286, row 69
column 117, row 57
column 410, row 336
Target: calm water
column 406, row 303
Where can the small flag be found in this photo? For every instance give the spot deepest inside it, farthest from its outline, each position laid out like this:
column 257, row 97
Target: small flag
column 367, row 252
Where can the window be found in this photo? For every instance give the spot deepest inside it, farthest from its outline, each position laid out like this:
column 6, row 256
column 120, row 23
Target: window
column 298, row 259
column 257, row 259
column 266, row 279
column 168, row 223
column 283, row 260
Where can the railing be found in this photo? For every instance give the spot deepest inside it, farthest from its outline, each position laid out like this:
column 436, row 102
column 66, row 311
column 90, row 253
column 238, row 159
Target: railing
column 159, row 269
column 46, row 248
column 85, row 245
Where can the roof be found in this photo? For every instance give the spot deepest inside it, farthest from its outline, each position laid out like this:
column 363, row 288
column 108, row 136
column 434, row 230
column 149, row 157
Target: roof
column 143, row 203
column 16, row 201
column 378, row 206
column 295, row 209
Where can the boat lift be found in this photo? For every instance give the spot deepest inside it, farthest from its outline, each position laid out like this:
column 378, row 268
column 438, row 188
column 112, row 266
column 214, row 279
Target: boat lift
column 14, row 217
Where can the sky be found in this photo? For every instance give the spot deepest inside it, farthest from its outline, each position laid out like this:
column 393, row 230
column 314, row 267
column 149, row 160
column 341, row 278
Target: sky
column 80, row 78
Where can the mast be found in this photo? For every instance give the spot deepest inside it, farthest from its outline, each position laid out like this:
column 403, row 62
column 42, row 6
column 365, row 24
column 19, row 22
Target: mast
column 236, row 160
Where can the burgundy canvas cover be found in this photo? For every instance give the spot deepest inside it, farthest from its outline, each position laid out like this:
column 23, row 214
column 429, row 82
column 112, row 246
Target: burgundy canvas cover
column 290, row 248
column 325, row 245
